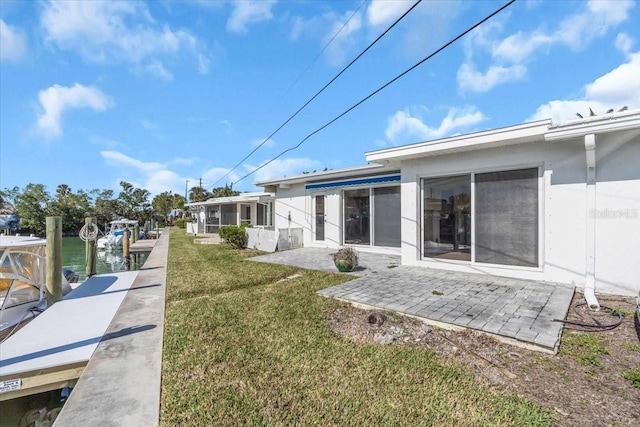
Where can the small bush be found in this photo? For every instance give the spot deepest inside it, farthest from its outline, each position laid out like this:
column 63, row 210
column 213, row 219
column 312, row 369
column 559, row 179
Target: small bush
column 181, row 223
column 234, row 235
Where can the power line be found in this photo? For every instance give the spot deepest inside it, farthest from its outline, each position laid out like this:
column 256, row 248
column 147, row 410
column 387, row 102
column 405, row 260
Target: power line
column 399, row 76
column 318, row 93
column 328, row 43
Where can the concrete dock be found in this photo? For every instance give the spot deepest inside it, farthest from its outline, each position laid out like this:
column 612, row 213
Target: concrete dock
column 121, row 383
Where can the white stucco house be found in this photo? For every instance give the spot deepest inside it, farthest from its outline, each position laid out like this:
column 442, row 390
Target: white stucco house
column 539, row 200
column 251, row 208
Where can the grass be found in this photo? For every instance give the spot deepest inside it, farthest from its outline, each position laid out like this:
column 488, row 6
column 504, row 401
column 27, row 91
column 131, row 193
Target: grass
column 631, row 347
column 633, row 376
column 584, row 348
column 243, row 347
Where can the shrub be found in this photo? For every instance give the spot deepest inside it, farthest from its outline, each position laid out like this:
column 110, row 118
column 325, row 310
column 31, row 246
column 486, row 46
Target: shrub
column 234, row 235
column 346, row 259
column 181, row 223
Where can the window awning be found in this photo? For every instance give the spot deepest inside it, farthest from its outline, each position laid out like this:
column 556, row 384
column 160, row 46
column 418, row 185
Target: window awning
column 354, row 182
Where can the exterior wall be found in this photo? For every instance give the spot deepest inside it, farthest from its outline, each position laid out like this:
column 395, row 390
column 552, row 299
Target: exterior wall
column 563, row 209
column 300, row 205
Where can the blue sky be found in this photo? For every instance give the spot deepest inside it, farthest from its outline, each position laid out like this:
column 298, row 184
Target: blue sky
column 164, row 92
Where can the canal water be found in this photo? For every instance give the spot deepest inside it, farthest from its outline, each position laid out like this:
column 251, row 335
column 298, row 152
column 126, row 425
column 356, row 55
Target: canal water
column 73, row 258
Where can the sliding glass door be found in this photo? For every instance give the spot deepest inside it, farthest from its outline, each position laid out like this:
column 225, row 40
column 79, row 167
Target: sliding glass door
column 447, row 217
column 504, row 211
column 356, row 217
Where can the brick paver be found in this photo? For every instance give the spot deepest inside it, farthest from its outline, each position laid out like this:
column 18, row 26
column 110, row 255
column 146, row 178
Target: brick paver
column 523, row 310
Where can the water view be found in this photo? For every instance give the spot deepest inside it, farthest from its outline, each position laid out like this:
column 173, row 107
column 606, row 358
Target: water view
column 73, row 257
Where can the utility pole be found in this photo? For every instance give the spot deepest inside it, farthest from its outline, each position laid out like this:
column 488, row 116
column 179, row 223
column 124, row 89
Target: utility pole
column 200, row 182
column 186, row 185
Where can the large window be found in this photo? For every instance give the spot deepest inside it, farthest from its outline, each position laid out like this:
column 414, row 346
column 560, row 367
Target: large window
column 505, row 217
column 229, row 215
column 506, row 209
column 372, row 215
column 264, row 214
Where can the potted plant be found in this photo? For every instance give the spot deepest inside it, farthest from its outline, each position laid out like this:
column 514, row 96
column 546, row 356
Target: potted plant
column 346, row 259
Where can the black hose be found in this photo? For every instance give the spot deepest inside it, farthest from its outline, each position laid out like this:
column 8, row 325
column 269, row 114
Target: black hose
column 597, row 326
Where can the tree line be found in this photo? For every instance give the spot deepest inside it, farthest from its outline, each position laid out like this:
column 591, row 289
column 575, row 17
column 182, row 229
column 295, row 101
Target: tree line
column 34, row 203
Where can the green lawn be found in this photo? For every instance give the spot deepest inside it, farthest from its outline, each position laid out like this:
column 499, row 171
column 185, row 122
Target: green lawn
column 242, row 347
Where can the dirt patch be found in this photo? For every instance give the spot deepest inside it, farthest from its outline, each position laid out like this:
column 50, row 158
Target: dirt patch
column 583, row 383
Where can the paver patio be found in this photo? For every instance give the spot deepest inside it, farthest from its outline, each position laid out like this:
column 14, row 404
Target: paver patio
column 519, row 311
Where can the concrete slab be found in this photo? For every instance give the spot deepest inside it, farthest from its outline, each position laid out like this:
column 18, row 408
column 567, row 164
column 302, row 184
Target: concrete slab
column 516, row 311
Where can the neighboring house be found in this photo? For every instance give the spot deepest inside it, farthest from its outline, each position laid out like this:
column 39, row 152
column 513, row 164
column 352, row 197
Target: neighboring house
column 252, row 208
column 542, row 201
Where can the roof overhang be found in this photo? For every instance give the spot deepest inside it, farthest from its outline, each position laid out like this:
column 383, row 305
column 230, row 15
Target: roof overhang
column 241, row 198
column 594, row 125
column 519, row 134
column 330, row 175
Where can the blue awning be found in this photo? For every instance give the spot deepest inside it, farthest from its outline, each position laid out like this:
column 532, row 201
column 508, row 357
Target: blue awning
column 353, row 182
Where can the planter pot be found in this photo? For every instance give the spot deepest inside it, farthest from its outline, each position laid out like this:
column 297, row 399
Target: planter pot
column 343, row 266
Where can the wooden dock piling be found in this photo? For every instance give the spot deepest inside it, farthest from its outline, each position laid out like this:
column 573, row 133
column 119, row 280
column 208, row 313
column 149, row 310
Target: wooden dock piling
column 125, row 244
column 53, row 274
column 90, row 248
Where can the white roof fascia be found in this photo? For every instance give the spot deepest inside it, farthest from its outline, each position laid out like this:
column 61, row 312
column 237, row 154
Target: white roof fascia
column 246, row 197
column 526, row 132
column 324, row 175
column 594, row 125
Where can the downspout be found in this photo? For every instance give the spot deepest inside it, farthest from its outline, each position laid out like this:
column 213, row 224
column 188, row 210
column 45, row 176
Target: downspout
column 590, row 276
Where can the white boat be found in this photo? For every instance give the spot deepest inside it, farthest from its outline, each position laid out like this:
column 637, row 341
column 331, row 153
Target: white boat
column 22, row 281
column 115, row 235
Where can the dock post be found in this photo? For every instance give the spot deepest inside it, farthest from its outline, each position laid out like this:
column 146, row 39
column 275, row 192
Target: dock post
column 136, row 233
column 90, row 247
column 53, row 266
column 125, row 244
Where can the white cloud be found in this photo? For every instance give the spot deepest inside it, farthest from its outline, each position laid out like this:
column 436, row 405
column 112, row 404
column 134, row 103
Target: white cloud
column 116, row 158
column 576, row 31
column 228, row 127
column 157, row 68
column 247, row 12
column 405, row 125
column 510, row 53
column 382, row 12
column 471, row 79
column 56, row 99
column 104, row 31
column 618, row 88
column 152, row 176
column 342, row 36
column 270, row 142
column 214, row 174
column 13, row 42
column 624, row 43
column 203, row 64
column 149, row 125
column 279, row 168
column 182, row 161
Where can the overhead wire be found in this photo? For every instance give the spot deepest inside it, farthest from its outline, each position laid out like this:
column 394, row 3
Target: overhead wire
column 381, row 88
column 317, row 93
column 328, row 43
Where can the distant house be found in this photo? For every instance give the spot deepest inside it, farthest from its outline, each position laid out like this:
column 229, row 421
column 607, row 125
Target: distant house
column 251, row 208
column 543, row 201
